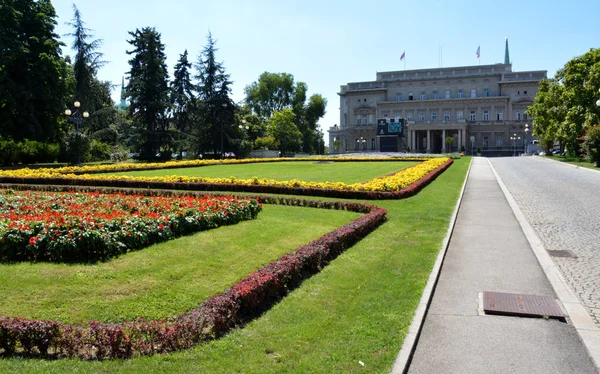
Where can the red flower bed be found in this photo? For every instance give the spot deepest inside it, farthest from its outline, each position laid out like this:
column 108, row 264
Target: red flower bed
column 216, row 316
column 94, row 226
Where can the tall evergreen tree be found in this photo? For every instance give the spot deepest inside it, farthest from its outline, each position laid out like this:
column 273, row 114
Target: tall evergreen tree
column 149, row 92
column 216, row 109
column 93, row 94
column 182, row 92
column 34, row 78
column 87, row 59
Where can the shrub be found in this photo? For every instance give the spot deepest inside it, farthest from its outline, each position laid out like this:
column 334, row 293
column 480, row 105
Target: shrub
column 266, row 142
column 100, row 151
column 591, row 144
column 108, row 136
column 77, row 147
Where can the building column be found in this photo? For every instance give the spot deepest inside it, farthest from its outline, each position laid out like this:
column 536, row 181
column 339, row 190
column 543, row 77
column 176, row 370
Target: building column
column 413, row 145
column 428, row 150
column 459, row 140
column 443, row 141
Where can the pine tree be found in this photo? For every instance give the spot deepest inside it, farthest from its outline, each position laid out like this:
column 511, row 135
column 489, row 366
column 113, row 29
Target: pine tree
column 34, row 78
column 182, row 92
column 216, row 109
column 149, row 92
column 87, row 59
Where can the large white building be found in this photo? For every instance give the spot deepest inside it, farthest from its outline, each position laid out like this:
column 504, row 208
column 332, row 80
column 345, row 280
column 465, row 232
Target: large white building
column 479, row 107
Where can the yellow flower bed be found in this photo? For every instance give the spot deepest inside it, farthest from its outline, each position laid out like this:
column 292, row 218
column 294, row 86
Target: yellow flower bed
column 391, row 183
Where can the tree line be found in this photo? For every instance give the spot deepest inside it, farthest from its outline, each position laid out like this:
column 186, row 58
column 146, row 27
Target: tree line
column 566, row 108
column 192, row 114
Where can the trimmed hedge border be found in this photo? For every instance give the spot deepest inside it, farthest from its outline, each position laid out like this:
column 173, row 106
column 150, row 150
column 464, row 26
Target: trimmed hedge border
column 216, row 316
column 409, row 191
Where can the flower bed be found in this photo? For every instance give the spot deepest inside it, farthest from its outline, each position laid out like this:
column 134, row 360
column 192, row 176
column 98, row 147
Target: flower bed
column 93, row 226
column 215, row 317
column 401, row 184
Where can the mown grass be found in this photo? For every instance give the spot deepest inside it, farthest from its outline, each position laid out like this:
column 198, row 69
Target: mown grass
column 358, row 308
column 347, row 172
column 162, row 280
column 573, row 160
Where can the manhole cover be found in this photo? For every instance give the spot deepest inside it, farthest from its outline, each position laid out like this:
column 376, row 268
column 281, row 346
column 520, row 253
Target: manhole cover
column 511, row 304
column 562, row 253
column 323, row 162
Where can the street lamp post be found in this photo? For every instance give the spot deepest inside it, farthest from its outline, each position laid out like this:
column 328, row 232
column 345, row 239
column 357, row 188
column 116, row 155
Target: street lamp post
column 514, row 138
column 77, row 117
column 222, row 155
column 526, row 142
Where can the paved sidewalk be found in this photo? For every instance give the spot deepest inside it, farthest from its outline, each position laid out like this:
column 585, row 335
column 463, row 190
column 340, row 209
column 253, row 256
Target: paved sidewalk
column 489, row 252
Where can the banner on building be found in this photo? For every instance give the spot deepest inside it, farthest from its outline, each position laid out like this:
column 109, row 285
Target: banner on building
column 390, row 126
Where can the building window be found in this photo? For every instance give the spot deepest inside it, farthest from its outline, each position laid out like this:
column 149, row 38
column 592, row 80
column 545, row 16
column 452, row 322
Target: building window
column 460, row 93
column 499, row 140
column 409, row 116
column 372, row 143
column 345, row 120
column 486, row 92
column 474, row 92
column 435, row 95
column 410, row 96
column 423, row 96
column 371, row 119
column 447, row 95
column 499, row 115
column 486, row 115
column 433, row 116
column 459, row 115
column 472, row 116
column 524, row 116
column 446, row 116
column 524, row 92
column 359, row 120
column 398, row 96
column 518, row 115
column 486, row 142
column 421, row 117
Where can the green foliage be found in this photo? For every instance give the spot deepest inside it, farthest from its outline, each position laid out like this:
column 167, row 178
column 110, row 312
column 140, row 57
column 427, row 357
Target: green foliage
column 100, row 151
column 284, row 130
column 182, row 93
column 119, row 154
column 591, row 144
column 148, row 91
column 215, row 112
column 27, row 152
column 108, row 136
column 565, row 106
column 266, row 142
column 77, row 147
column 274, row 92
column 34, row 77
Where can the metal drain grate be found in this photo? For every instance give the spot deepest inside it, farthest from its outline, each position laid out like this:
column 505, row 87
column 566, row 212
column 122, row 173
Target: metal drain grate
column 561, row 253
column 511, row 304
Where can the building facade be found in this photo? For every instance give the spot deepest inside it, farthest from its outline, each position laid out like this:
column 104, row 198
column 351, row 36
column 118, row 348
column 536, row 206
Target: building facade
column 480, row 107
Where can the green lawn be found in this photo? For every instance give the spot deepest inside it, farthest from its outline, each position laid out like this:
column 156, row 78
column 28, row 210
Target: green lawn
column 356, row 309
column 347, row 172
column 165, row 279
column 573, row 160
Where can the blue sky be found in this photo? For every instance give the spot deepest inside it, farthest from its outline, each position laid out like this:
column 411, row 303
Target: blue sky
column 328, row 43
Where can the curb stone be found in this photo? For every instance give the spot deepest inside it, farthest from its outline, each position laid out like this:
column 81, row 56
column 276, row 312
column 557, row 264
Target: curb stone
column 578, row 315
column 407, row 350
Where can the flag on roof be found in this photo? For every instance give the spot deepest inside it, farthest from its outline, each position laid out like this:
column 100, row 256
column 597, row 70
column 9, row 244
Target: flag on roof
column 402, row 55
column 478, row 54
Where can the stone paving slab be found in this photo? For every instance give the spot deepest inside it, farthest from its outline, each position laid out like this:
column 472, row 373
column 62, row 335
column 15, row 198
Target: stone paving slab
column 489, row 252
column 562, row 204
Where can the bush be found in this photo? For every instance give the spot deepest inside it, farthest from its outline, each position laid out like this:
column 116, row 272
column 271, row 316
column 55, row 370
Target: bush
column 267, row 142
column 591, row 144
column 107, row 136
column 10, row 152
column 77, row 147
column 119, row 154
column 100, row 151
